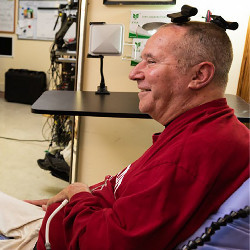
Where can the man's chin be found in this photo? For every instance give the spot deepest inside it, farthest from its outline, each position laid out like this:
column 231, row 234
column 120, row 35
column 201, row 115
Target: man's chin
column 144, row 109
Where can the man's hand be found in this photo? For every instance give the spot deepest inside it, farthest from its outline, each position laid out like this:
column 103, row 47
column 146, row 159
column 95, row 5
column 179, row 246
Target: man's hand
column 40, row 203
column 68, row 192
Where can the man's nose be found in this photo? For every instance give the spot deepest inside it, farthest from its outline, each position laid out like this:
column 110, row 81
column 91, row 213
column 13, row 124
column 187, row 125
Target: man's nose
column 136, row 73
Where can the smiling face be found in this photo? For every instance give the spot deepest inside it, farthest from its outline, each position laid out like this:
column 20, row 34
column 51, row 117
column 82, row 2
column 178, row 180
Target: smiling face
column 163, row 88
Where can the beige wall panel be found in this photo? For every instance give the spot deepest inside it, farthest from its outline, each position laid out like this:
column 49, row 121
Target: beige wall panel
column 110, row 144
column 27, row 54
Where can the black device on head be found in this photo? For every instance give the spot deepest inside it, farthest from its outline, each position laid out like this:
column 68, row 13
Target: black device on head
column 188, row 11
column 218, row 20
column 183, row 16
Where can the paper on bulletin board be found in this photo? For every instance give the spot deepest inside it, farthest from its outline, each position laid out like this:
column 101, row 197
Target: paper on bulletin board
column 37, row 20
column 25, row 27
column 144, row 23
column 45, row 23
column 139, row 46
column 46, row 19
column 7, row 16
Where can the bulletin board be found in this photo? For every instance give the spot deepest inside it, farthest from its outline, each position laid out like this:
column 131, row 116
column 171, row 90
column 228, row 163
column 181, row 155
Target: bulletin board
column 37, row 19
column 7, row 16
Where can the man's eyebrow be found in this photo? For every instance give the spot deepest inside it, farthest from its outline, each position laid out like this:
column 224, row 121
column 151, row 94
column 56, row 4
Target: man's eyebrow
column 147, row 55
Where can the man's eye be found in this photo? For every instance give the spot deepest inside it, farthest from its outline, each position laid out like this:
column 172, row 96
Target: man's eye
column 150, row 62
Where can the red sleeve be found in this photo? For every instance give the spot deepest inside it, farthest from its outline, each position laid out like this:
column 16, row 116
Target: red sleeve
column 152, row 208
column 125, row 225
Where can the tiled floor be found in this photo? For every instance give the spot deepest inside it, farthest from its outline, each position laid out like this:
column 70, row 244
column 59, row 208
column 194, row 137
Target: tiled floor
column 20, row 176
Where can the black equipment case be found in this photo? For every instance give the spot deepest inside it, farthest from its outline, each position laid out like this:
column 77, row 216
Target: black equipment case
column 24, row 86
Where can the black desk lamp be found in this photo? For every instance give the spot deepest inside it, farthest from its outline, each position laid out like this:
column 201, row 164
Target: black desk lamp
column 105, row 40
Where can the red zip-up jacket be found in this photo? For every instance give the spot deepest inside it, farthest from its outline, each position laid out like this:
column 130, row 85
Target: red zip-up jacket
column 193, row 166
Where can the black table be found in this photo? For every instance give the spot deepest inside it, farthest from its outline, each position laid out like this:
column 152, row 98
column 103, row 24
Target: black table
column 117, row 104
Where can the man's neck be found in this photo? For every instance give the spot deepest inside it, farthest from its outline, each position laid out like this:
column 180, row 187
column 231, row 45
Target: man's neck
column 188, row 103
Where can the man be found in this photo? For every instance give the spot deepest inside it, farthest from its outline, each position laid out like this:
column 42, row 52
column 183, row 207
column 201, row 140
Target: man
column 193, row 166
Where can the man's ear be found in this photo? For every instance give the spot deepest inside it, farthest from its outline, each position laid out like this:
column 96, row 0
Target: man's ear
column 202, row 75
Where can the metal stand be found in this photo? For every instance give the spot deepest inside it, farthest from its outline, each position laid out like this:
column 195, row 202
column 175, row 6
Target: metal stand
column 101, row 89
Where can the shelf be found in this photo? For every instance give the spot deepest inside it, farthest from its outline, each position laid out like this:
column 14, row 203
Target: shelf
column 65, row 53
column 65, row 60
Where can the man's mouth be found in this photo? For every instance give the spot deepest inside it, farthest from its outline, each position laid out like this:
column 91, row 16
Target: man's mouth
column 145, row 90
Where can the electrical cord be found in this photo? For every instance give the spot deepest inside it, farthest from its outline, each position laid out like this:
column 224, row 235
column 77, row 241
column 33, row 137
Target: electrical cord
column 54, row 70
column 34, row 140
column 49, row 124
column 47, row 243
column 15, row 139
column 61, row 130
column 61, row 126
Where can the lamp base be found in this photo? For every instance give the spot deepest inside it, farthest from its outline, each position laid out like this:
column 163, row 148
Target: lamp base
column 102, row 91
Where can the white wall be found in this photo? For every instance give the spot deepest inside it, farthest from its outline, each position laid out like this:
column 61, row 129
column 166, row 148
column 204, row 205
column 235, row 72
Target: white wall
column 107, row 145
column 27, row 54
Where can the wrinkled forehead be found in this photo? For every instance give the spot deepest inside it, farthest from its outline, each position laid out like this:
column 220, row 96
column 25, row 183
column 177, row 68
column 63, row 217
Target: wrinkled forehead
column 164, row 41
column 171, row 32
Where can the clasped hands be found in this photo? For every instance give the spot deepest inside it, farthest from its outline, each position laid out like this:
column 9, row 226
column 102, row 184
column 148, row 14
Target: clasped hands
column 66, row 193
